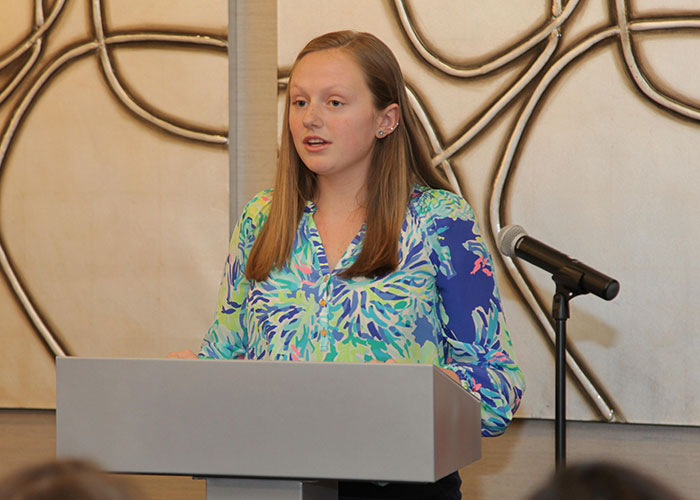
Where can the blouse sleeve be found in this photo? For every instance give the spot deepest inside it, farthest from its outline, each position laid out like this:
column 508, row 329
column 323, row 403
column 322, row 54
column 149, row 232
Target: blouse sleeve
column 227, row 336
column 476, row 341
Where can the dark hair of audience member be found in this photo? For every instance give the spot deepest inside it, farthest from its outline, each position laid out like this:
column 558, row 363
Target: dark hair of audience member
column 64, row 480
column 603, row 481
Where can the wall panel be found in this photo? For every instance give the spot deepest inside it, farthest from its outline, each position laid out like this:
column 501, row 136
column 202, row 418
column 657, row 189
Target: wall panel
column 114, row 193
column 578, row 121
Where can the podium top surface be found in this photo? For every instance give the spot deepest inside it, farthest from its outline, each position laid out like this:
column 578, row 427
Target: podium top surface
column 384, row 422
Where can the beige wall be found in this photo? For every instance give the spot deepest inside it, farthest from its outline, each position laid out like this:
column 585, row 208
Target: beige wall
column 561, row 139
column 115, row 193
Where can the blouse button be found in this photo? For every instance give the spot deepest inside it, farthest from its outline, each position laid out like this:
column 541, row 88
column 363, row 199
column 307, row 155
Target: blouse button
column 323, row 302
column 324, row 332
column 325, row 278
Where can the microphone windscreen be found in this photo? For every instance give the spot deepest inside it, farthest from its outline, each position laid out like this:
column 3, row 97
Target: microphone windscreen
column 508, row 237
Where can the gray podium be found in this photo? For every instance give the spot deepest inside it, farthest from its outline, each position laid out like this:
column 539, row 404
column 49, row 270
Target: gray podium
column 261, row 429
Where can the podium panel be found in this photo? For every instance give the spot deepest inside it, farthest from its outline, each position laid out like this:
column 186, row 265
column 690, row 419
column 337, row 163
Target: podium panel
column 266, row 419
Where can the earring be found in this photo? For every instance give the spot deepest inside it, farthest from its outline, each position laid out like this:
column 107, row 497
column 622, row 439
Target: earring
column 380, row 133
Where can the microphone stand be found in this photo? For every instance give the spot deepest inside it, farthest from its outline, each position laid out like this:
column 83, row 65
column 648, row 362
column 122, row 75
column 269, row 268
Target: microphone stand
column 567, row 281
column 572, row 278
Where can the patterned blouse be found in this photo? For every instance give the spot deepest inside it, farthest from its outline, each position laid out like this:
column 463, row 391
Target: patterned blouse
column 441, row 306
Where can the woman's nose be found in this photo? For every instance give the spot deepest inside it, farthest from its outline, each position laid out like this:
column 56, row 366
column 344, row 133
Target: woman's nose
column 312, row 118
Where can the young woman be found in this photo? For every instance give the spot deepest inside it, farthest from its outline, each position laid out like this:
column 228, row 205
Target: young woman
column 361, row 253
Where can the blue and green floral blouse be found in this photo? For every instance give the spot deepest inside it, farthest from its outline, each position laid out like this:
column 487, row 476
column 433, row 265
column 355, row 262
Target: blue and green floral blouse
column 441, row 306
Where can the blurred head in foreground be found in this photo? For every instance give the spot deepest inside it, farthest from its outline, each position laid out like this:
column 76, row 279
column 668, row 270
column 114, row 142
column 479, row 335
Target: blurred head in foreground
column 603, row 481
column 64, row 480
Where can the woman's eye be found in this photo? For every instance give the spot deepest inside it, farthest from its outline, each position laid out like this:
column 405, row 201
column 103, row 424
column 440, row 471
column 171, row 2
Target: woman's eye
column 335, row 103
column 299, row 103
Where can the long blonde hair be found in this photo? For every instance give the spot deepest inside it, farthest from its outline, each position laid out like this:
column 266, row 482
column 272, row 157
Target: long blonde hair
column 398, row 161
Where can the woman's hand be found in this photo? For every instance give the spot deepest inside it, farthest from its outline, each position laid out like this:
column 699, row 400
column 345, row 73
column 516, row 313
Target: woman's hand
column 452, row 375
column 186, row 354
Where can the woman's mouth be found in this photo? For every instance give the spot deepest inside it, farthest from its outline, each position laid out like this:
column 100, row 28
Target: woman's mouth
column 314, row 143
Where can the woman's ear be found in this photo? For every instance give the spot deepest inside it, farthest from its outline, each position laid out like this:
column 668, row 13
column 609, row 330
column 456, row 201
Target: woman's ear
column 388, row 120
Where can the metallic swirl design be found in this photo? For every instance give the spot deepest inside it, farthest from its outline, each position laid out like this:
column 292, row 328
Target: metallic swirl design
column 489, row 66
column 544, row 69
column 99, row 46
column 118, row 88
column 41, row 27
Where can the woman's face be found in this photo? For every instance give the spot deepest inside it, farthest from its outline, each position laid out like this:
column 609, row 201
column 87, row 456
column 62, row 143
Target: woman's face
column 332, row 116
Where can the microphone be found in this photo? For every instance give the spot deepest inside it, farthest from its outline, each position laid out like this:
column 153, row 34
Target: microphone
column 513, row 241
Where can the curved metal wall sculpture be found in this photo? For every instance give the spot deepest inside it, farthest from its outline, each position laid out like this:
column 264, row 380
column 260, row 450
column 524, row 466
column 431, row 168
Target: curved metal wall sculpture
column 529, row 74
column 28, row 72
column 539, row 59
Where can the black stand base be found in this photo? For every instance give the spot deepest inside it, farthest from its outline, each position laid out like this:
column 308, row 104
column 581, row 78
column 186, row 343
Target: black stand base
column 567, row 280
column 560, row 312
